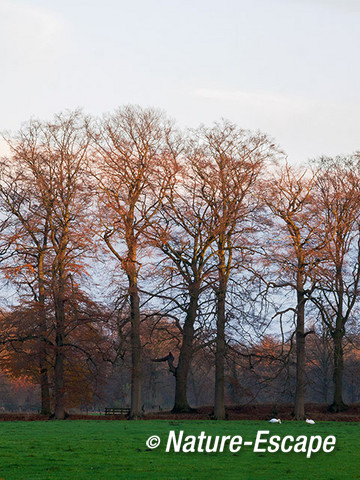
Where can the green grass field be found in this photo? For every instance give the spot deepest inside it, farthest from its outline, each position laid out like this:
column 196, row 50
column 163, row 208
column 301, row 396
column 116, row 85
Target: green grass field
column 105, row 450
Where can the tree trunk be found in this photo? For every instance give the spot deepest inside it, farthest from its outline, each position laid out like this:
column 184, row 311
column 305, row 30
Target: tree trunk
column 338, row 404
column 60, row 317
column 59, row 381
column 219, row 407
column 300, row 357
column 136, row 367
column 59, row 384
column 136, row 350
column 182, row 371
column 44, row 376
column 44, row 380
column 337, row 334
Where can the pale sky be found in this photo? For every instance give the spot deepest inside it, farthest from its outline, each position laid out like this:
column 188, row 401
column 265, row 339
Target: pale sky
column 290, row 68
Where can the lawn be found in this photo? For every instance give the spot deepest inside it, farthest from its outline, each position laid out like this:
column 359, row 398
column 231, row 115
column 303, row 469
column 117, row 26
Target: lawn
column 106, row 450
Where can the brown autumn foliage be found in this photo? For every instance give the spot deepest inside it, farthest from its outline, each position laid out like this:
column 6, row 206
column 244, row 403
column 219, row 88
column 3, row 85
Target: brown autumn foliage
column 45, row 193
column 85, row 342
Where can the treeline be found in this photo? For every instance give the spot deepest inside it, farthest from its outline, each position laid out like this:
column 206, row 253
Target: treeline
column 206, row 240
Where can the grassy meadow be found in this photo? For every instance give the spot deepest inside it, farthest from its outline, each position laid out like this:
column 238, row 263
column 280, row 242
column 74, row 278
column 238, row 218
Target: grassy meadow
column 106, row 450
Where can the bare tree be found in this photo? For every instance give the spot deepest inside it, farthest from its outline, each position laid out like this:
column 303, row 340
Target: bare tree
column 338, row 186
column 228, row 162
column 289, row 195
column 133, row 167
column 182, row 231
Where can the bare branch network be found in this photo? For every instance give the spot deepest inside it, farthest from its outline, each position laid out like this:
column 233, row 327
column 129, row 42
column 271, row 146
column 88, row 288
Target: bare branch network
column 131, row 248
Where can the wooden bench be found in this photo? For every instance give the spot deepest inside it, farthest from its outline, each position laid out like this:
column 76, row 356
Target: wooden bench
column 117, row 411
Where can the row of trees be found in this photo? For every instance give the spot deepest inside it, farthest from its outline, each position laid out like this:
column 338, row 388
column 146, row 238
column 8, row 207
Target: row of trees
column 211, row 230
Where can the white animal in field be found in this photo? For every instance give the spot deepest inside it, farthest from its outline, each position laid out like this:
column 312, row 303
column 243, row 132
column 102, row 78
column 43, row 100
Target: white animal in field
column 275, row 420
column 309, row 421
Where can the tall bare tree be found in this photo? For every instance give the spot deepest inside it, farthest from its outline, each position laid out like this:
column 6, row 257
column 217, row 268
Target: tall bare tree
column 182, row 231
column 289, row 194
column 228, row 162
column 338, row 186
column 133, row 159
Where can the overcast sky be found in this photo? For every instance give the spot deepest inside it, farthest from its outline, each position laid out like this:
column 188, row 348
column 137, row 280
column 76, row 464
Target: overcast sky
column 290, row 68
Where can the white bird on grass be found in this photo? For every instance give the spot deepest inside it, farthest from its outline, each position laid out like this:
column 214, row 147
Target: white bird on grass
column 309, row 421
column 275, row 420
